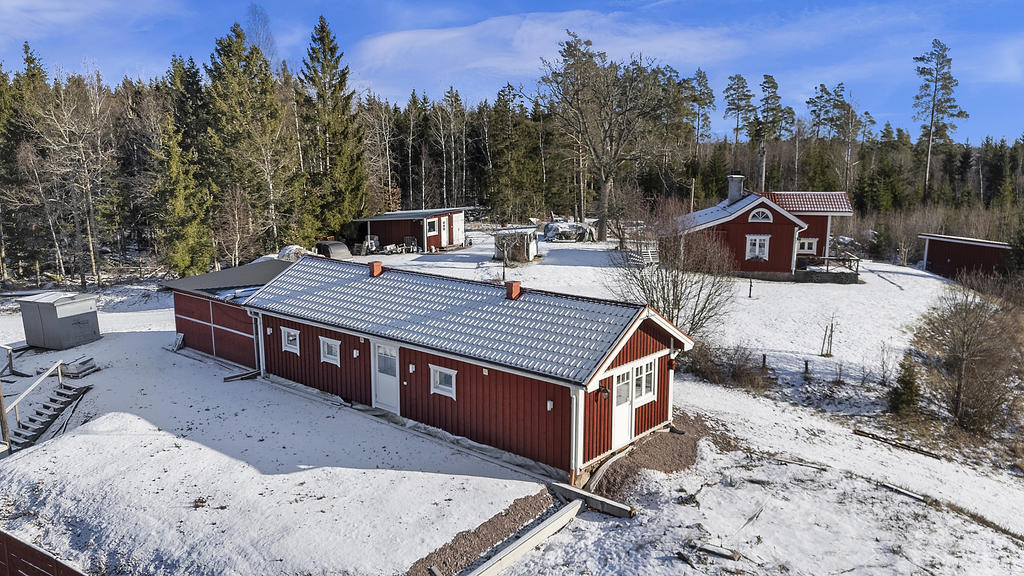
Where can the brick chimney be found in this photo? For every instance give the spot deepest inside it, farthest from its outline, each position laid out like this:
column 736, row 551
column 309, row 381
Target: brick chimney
column 376, row 268
column 512, row 290
column 735, row 187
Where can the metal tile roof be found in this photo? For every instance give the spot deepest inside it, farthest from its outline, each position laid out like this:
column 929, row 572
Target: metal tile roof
column 410, row 214
column 812, row 202
column 554, row 335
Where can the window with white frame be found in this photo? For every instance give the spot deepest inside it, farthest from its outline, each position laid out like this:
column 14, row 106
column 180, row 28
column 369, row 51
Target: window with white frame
column 289, row 340
column 442, row 381
column 432, row 227
column 807, row 246
column 757, row 246
column 760, row 215
column 622, row 388
column 645, row 382
column 330, row 351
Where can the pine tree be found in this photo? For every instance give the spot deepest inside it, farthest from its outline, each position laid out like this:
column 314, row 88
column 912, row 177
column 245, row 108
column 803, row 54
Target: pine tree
column 934, row 101
column 183, row 231
column 904, row 396
column 703, row 103
column 336, row 171
column 738, row 105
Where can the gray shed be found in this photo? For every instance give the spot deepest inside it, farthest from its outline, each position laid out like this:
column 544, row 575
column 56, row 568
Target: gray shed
column 59, row 320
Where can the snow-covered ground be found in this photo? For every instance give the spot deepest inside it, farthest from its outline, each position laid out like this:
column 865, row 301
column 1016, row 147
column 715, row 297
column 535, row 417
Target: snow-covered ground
column 188, row 438
column 166, row 469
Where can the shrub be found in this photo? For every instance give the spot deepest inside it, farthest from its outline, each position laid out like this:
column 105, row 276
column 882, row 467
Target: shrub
column 904, row 396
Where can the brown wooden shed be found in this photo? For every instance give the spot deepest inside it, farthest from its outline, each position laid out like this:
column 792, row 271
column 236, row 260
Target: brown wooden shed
column 436, row 229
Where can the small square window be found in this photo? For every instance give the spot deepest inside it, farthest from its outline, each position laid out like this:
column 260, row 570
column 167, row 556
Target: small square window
column 442, row 381
column 432, row 227
column 289, row 340
column 330, row 351
column 807, row 246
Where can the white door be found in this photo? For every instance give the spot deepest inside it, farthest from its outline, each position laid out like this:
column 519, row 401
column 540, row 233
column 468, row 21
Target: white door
column 385, row 378
column 459, row 228
column 622, row 412
column 444, row 231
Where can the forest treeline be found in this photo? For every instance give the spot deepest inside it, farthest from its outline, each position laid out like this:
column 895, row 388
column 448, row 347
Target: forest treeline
column 238, row 156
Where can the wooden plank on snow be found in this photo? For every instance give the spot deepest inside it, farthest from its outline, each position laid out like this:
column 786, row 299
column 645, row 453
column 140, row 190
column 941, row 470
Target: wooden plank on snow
column 594, row 501
column 529, row 541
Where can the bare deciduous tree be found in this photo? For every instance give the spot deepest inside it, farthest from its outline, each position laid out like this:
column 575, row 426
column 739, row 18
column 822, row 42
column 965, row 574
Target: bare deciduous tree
column 691, row 285
column 975, row 338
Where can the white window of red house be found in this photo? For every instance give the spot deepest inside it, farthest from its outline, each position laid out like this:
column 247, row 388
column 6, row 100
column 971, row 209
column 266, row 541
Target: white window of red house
column 807, row 246
column 760, row 215
column 330, row 351
column 432, row 227
column 289, row 340
column 757, row 246
column 637, row 382
column 442, row 381
column 645, row 381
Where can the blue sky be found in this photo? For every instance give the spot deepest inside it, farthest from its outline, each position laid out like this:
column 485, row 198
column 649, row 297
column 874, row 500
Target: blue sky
column 393, row 47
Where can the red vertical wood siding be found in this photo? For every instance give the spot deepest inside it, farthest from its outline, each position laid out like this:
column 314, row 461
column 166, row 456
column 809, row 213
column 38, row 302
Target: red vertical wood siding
column 951, row 258
column 817, row 227
column 780, row 247
column 499, row 409
column 192, row 306
column 197, row 336
column 351, row 381
column 193, row 318
column 597, row 416
column 395, row 231
column 648, row 339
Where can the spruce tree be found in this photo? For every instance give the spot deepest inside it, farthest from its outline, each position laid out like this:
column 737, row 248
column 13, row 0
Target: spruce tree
column 904, row 396
column 183, row 231
column 335, row 164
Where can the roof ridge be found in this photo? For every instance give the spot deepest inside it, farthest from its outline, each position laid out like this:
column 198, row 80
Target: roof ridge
column 524, row 289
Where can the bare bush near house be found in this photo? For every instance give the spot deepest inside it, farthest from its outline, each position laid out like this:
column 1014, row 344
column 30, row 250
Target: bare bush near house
column 692, row 285
column 899, row 229
column 976, row 339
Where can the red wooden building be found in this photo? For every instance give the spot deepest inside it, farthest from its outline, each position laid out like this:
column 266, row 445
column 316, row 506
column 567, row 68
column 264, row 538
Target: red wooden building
column 816, row 209
column 950, row 255
column 208, row 310
column 767, row 232
column 439, row 229
column 560, row 379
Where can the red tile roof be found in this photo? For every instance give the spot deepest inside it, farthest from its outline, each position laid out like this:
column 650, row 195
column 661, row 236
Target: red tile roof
column 812, row 202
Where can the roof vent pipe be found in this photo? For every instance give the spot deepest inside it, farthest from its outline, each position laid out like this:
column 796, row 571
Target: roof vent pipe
column 376, row 268
column 512, row 290
column 735, row 187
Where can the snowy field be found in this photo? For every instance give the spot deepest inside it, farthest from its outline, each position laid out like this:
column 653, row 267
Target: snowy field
column 288, row 484
column 178, row 472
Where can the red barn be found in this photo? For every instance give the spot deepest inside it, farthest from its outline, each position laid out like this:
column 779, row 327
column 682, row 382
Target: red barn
column 208, row 310
column 950, row 255
column 766, row 232
column 438, row 229
column 559, row 379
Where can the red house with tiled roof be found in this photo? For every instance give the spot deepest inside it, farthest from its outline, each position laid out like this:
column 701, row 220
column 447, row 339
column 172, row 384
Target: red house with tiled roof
column 816, row 209
column 767, row 232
